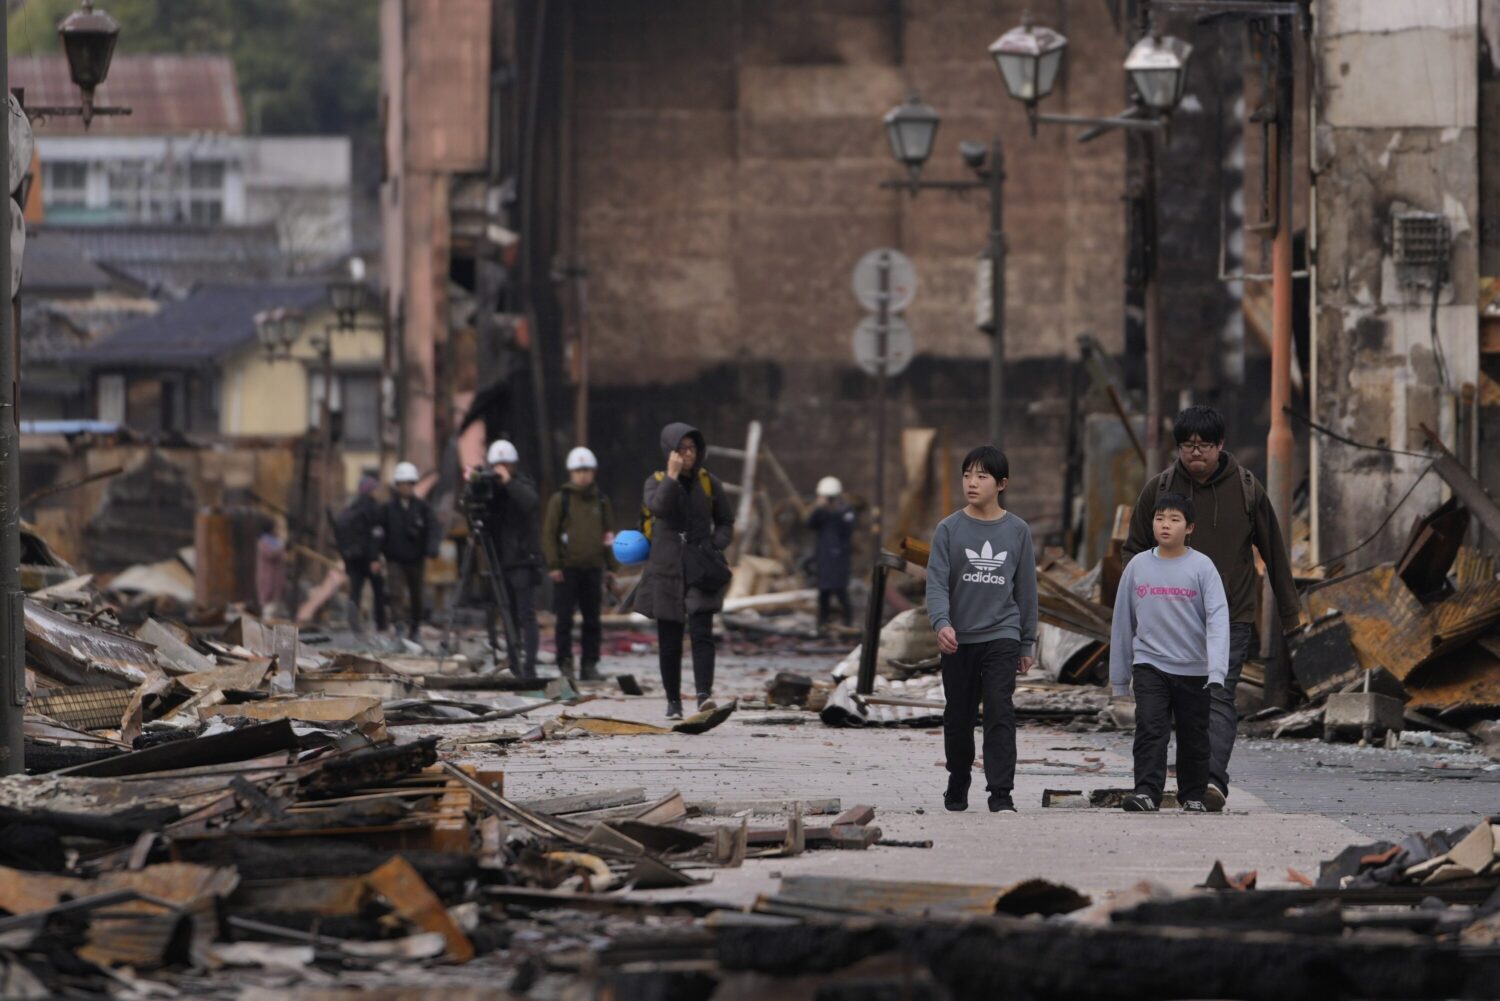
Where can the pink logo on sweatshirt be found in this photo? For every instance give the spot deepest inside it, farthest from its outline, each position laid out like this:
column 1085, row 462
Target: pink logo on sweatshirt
column 1171, row 593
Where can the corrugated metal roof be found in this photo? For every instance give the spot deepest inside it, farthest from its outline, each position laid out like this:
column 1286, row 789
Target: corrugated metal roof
column 169, row 95
column 213, row 321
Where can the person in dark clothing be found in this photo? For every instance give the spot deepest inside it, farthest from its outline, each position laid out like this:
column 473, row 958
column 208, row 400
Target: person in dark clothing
column 359, row 533
column 412, row 535
column 1233, row 515
column 576, row 537
column 686, row 514
column 833, row 520
column 514, row 526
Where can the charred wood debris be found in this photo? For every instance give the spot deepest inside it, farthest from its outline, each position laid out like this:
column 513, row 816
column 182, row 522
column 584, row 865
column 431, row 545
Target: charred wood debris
column 227, row 810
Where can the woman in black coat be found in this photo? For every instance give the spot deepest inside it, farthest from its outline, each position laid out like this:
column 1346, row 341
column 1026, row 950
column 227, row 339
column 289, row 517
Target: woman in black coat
column 689, row 508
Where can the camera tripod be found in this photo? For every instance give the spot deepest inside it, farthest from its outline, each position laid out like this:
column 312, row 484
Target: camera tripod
column 479, row 536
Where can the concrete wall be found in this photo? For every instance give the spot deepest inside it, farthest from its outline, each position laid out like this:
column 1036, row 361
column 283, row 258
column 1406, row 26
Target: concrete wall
column 1397, row 126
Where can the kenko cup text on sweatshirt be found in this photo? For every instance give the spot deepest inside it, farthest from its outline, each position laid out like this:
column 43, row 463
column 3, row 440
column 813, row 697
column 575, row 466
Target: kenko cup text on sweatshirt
column 981, row 580
column 1172, row 615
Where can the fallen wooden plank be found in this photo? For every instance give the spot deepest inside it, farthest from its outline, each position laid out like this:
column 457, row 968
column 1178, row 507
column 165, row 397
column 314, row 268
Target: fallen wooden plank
column 734, row 807
column 559, row 806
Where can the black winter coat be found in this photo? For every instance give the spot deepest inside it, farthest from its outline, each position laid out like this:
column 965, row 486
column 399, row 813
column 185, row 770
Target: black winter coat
column 412, row 532
column 679, row 508
column 835, row 528
column 359, row 530
column 515, row 522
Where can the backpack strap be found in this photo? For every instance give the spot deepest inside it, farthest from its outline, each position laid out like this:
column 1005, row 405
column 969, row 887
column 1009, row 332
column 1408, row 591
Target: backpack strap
column 1247, row 486
column 1163, row 482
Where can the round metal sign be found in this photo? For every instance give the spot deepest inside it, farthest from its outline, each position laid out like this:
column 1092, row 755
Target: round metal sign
column 17, row 244
column 22, row 143
column 900, row 345
column 902, row 287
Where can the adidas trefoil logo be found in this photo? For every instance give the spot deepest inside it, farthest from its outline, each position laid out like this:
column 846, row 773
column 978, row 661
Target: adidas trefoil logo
column 984, row 563
column 986, row 558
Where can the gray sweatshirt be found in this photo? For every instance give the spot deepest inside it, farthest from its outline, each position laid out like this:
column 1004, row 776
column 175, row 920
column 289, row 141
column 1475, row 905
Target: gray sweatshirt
column 981, row 580
column 1172, row 615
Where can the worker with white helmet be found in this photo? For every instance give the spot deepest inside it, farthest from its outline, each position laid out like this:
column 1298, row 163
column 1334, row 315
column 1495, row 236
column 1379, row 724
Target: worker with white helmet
column 833, row 520
column 513, row 525
column 577, row 534
column 412, row 535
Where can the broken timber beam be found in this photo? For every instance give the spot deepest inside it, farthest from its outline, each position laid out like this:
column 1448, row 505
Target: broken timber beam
column 1464, row 485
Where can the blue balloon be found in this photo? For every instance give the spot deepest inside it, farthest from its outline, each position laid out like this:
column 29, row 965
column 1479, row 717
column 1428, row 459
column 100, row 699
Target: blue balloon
column 632, row 547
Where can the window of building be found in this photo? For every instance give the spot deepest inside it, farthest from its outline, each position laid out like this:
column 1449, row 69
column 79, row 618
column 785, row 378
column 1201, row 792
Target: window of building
column 112, row 398
column 356, row 401
column 206, row 191
column 65, row 182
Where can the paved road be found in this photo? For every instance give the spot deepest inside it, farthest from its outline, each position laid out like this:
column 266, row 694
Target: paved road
column 1294, row 803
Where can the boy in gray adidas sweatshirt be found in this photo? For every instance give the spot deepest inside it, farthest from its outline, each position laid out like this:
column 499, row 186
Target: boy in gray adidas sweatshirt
column 981, row 598
column 1170, row 641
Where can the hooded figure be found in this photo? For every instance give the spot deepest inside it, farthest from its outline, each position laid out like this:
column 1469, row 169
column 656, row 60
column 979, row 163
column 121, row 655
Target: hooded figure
column 685, row 512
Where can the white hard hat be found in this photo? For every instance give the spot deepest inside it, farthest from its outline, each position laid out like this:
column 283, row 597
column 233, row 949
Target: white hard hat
column 502, row 452
column 829, row 486
column 582, row 458
column 406, row 472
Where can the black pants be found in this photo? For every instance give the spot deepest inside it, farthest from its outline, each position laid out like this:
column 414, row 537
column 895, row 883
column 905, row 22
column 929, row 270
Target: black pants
column 412, row 576
column 520, row 587
column 359, row 572
column 1162, row 700
column 700, row 626
column 826, row 597
column 981, row 672
column 582, row 591
column 1225, row 718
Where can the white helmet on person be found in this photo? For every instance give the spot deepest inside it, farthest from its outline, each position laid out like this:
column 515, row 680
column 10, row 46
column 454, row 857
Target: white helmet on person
column 829, row 486
column 582, row 458
column 502, row 453
column 406, row 472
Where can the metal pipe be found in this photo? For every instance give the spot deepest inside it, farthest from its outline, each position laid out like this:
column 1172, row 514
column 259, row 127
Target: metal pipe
column 325, row 460
column 1279, row 444
column 882, row 348
column 12, row 600
column 996, row 178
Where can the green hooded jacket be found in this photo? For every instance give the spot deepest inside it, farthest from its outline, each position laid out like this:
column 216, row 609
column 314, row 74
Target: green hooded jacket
column 577, row 542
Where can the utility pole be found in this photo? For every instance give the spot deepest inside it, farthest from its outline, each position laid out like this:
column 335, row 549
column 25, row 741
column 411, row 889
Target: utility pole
column 12, row 600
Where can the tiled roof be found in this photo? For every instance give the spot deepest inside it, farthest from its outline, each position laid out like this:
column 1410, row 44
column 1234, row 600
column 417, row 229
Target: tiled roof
column 55, row 264
column 171, row 259
column 169, row 95
column 214, row 320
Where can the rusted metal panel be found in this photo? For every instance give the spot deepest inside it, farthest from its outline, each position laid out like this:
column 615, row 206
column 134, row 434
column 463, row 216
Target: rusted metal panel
column 1390, row 628
column 168, row 95
column 879, row 896
column 78, row 654
column 410, row 897
column 1469, row 678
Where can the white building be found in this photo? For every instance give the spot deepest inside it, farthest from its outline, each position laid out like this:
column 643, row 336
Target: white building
column 182, row 156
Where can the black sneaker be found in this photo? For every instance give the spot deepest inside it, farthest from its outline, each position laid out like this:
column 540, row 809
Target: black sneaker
column 1002, row 804
column 956, row 799
column 1214, row 798
column 1194, row 806
column 674, row 709
column 706, row 702
column 590, row 671
column 1138, row 802
column 565, row 670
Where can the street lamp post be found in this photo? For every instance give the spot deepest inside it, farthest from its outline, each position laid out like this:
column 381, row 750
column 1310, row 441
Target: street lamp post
column 1029, row 58
column 911, row 129
column 88, row 37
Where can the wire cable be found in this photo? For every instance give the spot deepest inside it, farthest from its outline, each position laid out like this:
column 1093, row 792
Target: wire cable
column 1381, row 527
column 1345, row 439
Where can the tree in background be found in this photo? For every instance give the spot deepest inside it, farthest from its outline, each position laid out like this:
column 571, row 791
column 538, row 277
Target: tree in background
column 305, row 67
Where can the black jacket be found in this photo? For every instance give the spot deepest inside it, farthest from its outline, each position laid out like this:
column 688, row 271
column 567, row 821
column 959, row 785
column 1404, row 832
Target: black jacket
column 681, row 510
column 515, row 522
column 359, row 530
column 412, row 532
column 835, row 527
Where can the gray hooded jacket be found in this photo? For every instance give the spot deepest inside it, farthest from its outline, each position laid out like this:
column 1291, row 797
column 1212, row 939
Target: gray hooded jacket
column 681, row 511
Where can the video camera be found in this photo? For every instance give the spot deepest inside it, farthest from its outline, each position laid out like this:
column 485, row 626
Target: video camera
column 480, row 490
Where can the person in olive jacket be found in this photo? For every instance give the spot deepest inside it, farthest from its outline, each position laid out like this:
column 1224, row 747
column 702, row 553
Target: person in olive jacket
column 515, row 526
column 688, row 509
column 412, row 535
column 577, row 533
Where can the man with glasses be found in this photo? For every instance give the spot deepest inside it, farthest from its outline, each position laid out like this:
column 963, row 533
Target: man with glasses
column 1234, row 514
